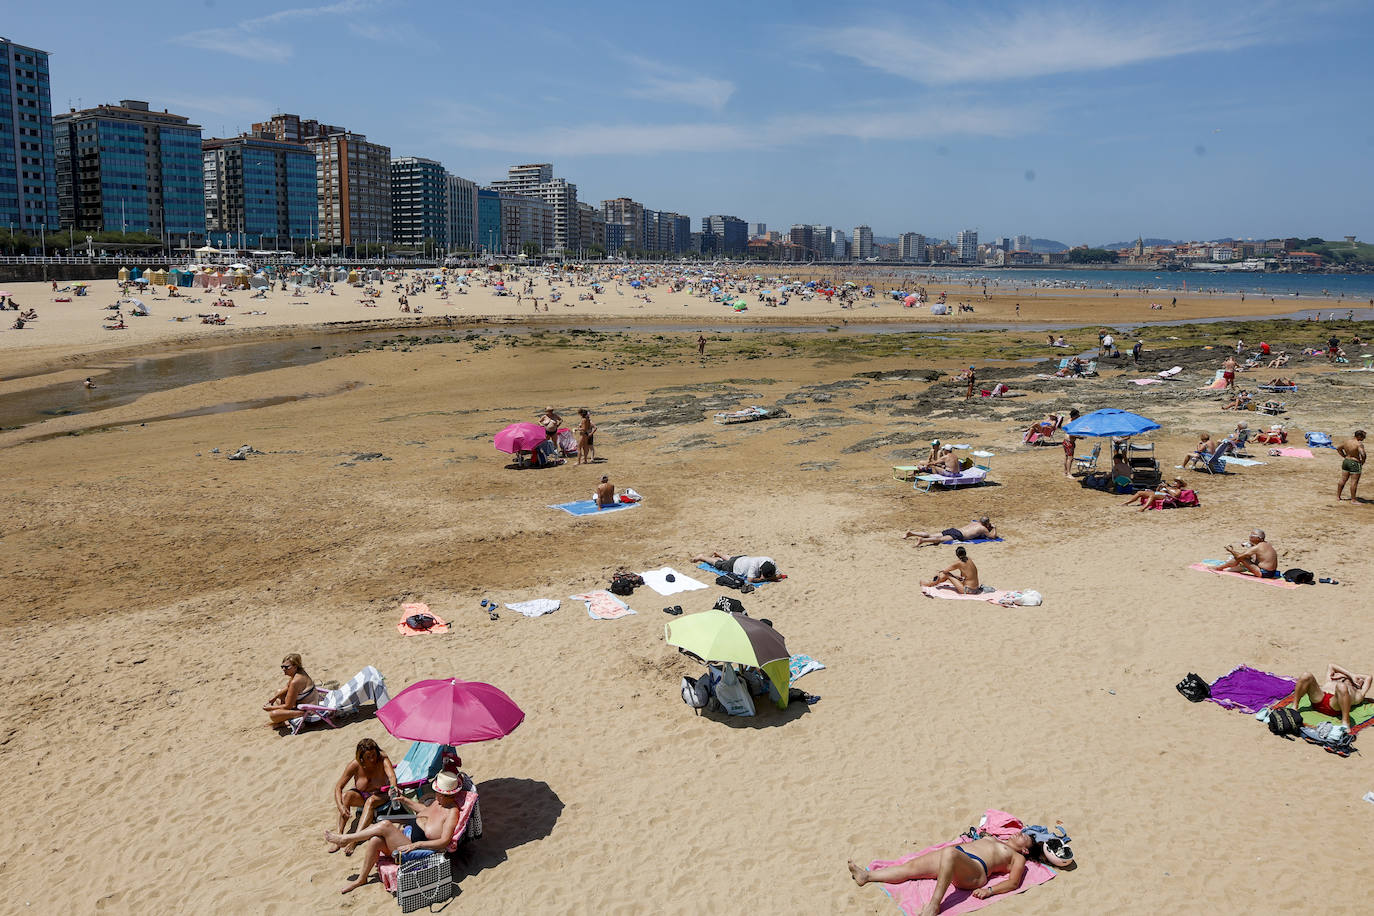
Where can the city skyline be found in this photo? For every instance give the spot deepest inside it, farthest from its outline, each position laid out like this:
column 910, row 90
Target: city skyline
column 1053, row 120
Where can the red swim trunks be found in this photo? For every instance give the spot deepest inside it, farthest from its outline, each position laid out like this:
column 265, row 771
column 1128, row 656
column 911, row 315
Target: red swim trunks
column 1324, row 706
column 1228, row 375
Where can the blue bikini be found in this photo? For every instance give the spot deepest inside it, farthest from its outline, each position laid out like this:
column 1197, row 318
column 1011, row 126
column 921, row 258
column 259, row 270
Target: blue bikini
column 974, row 858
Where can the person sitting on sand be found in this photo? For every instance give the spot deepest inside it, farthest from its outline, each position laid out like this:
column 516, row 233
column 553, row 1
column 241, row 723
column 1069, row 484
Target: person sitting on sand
column 605, row 492
column 1335, row 698
column 1155, row 499
column 1240, row 402
column 751, row 569
column 373, row 781
column 1261, row 560
column 976, row 529
column 1121, row 462
column 962, row 576
column 300, row 688
column 431, row 833
column 967, row 866
column 1201, row 453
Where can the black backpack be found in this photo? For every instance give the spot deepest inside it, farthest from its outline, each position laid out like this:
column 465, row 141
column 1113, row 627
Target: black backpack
column 625, row 583
column 1300, row 576
column 1194, row 688
column 730, row 580
column 729, row 605
column 1285, row 721
column 420, row 621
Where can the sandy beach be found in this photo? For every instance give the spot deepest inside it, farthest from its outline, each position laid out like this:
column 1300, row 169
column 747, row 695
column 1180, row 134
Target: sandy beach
column 151, row 588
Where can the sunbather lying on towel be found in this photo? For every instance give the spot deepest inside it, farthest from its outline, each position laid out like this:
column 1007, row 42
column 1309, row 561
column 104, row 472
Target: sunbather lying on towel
column 300, row 688
column 969, row 867
column 962, row 576
column 976, row 529
column 1261, row 560
column 1341, row 691
column 431, row 832
column 752, row 569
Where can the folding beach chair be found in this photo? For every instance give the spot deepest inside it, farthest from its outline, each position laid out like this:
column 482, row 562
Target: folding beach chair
column 422, row 762
column 1214, row 464
column 1087, row 463
column 366, row 686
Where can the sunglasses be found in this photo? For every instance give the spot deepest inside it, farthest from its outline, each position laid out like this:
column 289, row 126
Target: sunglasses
column 284, row 667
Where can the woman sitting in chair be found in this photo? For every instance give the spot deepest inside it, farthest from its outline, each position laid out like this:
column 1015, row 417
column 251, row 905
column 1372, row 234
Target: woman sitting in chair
column 373, row 785
column 300, row 688
column 1240, row 402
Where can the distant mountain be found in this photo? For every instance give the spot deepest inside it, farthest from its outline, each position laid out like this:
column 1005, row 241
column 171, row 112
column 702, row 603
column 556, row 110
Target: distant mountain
column 1149, row 243
column 884, row 240
column 1047, row 246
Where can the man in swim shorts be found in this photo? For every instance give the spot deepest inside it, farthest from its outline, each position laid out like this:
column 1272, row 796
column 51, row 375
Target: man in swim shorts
column 1261, row 560
column 1352, row 464
column 968, row 866
column 1228, row 371
column 1341, row 691
column 976, row 529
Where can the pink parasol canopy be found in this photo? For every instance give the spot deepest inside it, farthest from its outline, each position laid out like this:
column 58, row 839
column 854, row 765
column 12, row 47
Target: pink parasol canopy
column 450, row 712
column 519, row 437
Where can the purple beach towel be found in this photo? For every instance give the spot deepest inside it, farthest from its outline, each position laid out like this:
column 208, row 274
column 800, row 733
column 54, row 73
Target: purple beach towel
column 1250, row 690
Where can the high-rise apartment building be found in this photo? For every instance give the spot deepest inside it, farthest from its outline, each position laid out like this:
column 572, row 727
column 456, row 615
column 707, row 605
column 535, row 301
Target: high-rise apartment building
column 911, row 246
column 863, row 242
column 28, row 161
column 966, row 246
column 124, row 167
column 353, row 179
column 624, row 224
column 731, row 233
column 822, row 242
column 800, row 236
column 591, row 229
column 757, row 229
column 667, row 232
column 419, row 203
column 259, row 193
column 536, row 180
column 460, row 213
column 1022, row 243
column 525, row 220
column 490, row 237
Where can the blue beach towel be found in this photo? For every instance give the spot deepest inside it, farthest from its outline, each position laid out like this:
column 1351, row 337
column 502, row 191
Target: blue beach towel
column 720, row 572
column 588, row 507
column 800, row 665
column 1319, row 440
column 981, row 541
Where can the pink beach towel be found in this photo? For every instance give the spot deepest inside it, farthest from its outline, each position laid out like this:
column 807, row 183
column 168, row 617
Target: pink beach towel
column 1147, row 381
column 1292, row 452
column 419, row 607
column 912, row 896
column 1277, row 583
column 992, row 596
column 602, row 605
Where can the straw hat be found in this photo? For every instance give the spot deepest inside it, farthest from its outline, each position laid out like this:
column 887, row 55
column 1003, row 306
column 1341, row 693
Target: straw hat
column 447, row 783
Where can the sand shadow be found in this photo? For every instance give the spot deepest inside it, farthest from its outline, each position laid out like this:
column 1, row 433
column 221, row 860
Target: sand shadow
column 766, row 714
column 514, row 812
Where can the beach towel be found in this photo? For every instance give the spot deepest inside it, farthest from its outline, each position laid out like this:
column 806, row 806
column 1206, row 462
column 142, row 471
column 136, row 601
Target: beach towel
column 588, row 507
column 1148, row 381
column 1360, row 716
column 1242, row 462
column 801, row 665
column 981, row 541
column 418, row 607
column 988, row 594
column 912, row 896
column 720, row 572
column 602, row 605
column 1209, row 566
column 1249, row 689
column 1290, row 452
column 1319, row 440
column 657, row 579
column 536, row 607
column 1170, row 373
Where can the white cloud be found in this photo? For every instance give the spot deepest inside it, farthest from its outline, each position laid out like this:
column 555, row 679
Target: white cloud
column 968, row 47
column 662, row 83
column 249, row 39
column 767, row 133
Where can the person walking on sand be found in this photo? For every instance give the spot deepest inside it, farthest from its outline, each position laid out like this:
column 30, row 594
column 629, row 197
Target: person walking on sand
column 962, row 576
column 1228, row 371
column 972, row 380
column 1070, row 445
column 701, row 345
column 1352, row 464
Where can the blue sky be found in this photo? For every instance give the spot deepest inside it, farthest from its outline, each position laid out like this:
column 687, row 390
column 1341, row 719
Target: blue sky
column 1083, row 122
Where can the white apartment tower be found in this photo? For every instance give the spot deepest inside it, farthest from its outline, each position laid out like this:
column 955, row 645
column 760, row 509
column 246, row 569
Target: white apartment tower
column 911, row 246
column 536, row 180
column 966, row 243
column 863, row 243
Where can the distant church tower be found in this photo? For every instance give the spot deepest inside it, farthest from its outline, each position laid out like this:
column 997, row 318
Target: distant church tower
column 1140, row 247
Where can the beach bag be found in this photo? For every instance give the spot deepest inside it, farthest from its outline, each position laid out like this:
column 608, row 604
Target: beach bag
column 732, row 693
column 424, row 882
column 730, row 580
column 1319, row 440
column 1300, row 576
column 1285, row 722
column 729, row 605
column 1030, row 598
column 420, row 621
column 625, row 583
column 696, row 692
column 1193, row 688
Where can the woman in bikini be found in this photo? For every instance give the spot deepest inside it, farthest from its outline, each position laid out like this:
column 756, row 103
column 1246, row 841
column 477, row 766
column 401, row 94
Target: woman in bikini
column 1154, row 499
column 373, row 785
column 300, row 688
column 586, row 432
column 968, row 867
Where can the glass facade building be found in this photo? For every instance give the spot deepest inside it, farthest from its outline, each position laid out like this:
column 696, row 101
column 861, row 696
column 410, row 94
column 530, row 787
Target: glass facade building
column 259, row 192
column 489, row 237
column 28, row 163
column 419, row 210
column 126, row 168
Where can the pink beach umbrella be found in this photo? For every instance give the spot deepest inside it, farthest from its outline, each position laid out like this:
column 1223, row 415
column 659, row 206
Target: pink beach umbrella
column 450, row 712
column 519, row 437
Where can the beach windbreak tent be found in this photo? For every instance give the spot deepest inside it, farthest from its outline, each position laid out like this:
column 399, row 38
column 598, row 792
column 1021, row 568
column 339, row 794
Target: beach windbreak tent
column 1110, row 422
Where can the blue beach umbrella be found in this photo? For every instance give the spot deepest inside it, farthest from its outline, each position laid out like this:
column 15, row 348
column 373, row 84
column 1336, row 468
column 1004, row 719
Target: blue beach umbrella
column 1110, row 422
